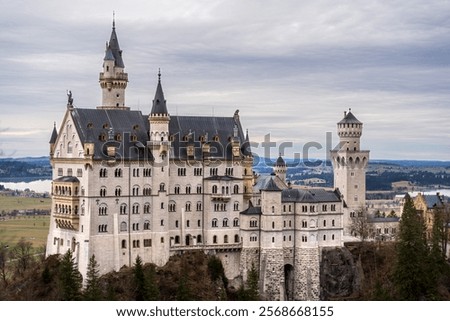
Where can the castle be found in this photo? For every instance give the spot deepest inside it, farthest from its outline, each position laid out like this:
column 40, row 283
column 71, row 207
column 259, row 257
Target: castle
column 128, row 184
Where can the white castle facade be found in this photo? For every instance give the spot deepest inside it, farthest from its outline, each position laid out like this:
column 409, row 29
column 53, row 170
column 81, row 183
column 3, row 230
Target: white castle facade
column 128, row 184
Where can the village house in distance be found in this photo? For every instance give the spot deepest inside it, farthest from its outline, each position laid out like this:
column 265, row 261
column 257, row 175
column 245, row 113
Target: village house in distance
column 128, row 183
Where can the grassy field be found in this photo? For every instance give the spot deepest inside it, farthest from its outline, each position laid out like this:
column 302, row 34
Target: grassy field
column 10, row 203
column 33, row 229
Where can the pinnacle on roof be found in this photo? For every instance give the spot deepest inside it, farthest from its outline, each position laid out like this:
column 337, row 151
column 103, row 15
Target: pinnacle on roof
column 349, row 118
column 54, row 135
column 159, row 103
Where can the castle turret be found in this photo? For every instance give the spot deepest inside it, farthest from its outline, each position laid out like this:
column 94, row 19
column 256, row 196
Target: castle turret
column 159, row 146
column 113, row 79
column 349, row 165
column 280, row 168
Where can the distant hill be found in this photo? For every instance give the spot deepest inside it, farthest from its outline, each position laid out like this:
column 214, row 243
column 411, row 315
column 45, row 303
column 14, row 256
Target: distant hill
column 25, row 169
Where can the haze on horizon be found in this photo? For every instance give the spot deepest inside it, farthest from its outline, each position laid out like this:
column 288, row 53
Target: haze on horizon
column 291, row 68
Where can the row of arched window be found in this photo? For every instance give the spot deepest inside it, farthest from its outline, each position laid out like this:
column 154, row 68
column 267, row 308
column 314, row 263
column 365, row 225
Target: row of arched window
column 66, row 209
column 134, row 226
column 225, row 222
column 65, row 190
column 225, row 189
column 147, row 191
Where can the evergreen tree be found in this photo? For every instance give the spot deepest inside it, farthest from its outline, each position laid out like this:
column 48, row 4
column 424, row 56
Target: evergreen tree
column 70, row 278
column 411, row 277
column 139, row 280
column 92, row 291
column 250, row 292
column 152, row 287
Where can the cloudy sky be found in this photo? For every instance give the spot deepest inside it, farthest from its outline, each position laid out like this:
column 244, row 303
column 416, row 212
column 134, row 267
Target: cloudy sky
column 290, row 67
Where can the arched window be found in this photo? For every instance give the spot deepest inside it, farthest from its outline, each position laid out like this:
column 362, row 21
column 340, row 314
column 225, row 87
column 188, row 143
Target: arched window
column 214, row 222
column 225, row 222
column 123, row 227
column 172, row 206
column 123, row 208
column 214, row 189
column 235, row 222
column 188, row 206
column 146, row 225
column 124, row 244
column 236, row 189
column 162, row 187
column 225, row 239
column 236, row 238
column 215, row 239
column 147, row 208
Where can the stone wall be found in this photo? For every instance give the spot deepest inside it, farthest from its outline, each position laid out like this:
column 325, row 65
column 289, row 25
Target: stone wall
column 272, row 274
column 307, row 274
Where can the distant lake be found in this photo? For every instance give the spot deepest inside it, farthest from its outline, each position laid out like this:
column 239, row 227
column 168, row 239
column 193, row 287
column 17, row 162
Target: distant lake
column 40, row 186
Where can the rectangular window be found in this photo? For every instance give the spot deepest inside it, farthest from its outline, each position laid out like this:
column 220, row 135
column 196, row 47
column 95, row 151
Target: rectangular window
column 60, row 172
column 147, row 242
column 79, row 172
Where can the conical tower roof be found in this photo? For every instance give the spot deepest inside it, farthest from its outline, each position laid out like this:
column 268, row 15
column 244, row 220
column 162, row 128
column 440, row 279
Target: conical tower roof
column 115, row 48
column 349, row 118
column 159, row 103
column 54, row 135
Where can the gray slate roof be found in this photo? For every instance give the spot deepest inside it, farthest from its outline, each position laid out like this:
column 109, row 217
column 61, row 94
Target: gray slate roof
column 263, row 180
column 280, row 161
column 159, row 103
column 67, row 179
column 349, row 118
column 94, row 124
column 54, row 135
column 433, row 200
column 252, row 210
column 115, row 49
column 312, row 195
column 187, row 130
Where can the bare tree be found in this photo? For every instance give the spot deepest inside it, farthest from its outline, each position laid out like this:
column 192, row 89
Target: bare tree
column 360, row 224
column 22, row 254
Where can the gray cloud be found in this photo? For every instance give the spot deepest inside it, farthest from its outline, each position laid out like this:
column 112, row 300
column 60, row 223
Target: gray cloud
column 290, row 67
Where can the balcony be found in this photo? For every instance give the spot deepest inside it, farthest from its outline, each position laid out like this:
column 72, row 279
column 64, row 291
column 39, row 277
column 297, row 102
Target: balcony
column 221, row 197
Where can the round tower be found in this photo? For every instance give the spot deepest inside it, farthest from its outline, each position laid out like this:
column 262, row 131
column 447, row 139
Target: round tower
column 113, row 79
column 280, row 168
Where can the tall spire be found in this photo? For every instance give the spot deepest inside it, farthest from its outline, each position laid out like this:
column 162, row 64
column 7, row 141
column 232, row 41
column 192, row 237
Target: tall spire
column 115, row 48
column 159, row 103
